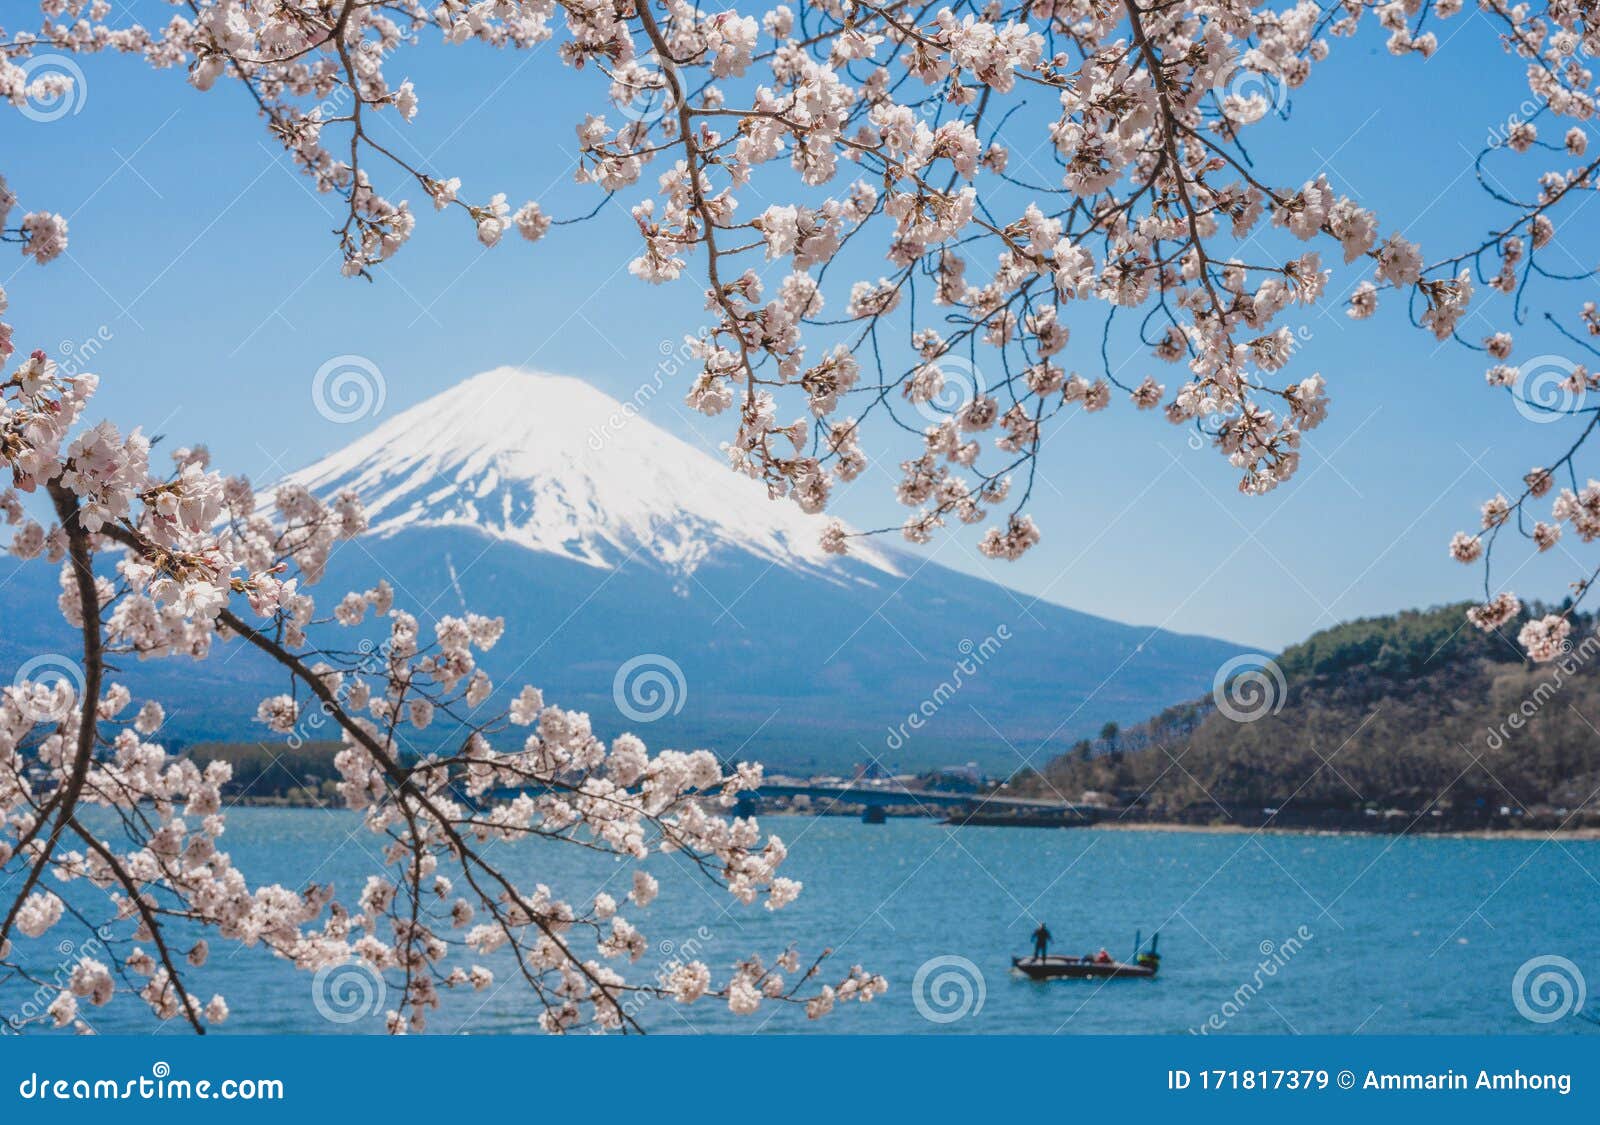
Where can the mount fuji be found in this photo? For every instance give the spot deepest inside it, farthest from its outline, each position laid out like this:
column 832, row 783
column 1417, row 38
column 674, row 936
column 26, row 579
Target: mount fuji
column 550, row 464
column 644, row 582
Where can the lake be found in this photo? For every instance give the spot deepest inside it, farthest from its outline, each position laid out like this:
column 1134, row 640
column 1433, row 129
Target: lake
column 1259, row 934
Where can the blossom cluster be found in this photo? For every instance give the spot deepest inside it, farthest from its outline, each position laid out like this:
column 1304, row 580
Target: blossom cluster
column 903, row 146
column 176, row 563
column 884, row 121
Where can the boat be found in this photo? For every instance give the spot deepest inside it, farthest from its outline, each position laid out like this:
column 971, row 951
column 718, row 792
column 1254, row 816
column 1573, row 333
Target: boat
column 1145, row 964
column 1054, row 965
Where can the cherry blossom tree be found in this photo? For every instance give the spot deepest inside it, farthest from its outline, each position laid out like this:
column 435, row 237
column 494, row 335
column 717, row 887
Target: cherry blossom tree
column 925, row 276
column 888, row 125
column 175, row 564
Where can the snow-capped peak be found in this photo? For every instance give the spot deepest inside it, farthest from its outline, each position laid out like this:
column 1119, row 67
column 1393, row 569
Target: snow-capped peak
column 552, row 464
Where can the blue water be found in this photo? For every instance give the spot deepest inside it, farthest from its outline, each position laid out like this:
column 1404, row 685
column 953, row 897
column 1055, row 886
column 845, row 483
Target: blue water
column 1362, row 934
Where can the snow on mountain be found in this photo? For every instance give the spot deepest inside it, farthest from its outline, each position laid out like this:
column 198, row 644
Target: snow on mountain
column 549, row 463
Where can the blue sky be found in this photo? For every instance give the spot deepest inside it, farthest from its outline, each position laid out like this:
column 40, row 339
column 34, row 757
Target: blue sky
column 205, row 267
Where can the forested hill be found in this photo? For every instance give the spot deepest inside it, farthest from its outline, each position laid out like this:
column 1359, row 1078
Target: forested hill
column 1382, row 721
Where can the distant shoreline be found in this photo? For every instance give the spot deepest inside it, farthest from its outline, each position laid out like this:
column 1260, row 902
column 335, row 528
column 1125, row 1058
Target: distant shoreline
column 1585, row 833
column 1274, row 830
column 1588, row 833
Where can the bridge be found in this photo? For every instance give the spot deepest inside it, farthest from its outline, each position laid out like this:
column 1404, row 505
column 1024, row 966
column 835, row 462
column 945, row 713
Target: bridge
column 878, row 797
column 881, row 796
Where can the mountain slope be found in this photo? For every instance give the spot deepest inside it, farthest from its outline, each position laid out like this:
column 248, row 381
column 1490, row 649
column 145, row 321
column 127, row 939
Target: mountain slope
column 1414, row 712
column 799, row 671
column 611, row 547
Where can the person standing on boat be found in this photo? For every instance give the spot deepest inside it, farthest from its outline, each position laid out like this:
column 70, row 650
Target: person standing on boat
column 1041, row 941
